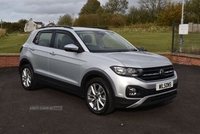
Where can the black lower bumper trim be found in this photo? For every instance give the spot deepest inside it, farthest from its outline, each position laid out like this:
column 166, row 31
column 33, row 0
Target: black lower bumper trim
column 159, row 99
column 124, row 103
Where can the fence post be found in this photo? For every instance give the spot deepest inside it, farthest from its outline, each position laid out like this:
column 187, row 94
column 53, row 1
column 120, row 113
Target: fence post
column 173, row 25
column 1, row 24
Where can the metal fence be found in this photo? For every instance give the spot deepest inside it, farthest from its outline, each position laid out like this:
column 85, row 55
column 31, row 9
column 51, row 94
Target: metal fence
column 191, row 41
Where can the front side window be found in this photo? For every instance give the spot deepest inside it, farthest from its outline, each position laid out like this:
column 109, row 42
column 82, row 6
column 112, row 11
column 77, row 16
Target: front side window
column 43, row 39
column 105, row 41
column 62, row 39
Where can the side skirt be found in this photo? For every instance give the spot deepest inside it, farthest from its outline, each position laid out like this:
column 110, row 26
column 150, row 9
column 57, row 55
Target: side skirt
column 61, row 85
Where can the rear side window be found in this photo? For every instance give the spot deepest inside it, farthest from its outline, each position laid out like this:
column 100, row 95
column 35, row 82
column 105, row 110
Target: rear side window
column 43, row 39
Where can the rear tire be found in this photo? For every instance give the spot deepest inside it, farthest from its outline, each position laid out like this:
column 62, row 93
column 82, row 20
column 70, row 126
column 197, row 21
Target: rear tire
column 28, row 80
column 99, row 96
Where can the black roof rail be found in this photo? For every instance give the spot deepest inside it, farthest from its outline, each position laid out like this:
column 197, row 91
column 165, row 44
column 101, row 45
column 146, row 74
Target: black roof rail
column 56, row 26
column 99, row 27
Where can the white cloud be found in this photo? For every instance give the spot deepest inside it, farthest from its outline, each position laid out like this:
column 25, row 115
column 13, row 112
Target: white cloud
column 42, row 10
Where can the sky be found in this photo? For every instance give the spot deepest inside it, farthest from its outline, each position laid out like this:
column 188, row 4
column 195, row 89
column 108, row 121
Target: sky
column 43, row 10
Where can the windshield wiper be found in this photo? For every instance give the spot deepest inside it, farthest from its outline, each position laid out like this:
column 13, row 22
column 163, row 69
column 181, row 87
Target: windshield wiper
column 133, row 49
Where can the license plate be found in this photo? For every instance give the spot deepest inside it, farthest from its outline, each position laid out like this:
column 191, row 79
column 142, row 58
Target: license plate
column 162, row 86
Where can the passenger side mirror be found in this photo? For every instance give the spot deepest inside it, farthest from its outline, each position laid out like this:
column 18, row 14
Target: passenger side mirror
column 72, row 48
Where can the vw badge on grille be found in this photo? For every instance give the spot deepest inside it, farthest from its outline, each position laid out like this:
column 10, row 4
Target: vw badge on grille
column 162, row 72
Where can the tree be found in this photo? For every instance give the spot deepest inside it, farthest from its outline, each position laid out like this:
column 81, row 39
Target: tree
column 66, row 20
column 91, row 7
column 132, row 16
column 15, row 26
column 153, row 7
column 21, row 24
column 118, row 20
column 87, row 20
column 192, row 9
column 116, row 6
column 171, row 13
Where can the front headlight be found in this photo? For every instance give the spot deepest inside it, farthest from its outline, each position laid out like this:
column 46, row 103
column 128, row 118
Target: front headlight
column 127, row 71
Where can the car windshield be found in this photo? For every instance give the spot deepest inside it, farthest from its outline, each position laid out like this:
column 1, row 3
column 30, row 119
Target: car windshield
column 105, row 41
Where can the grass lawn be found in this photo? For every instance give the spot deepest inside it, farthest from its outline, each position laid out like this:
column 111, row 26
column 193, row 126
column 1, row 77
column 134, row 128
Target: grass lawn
column 191, row 43
column 152, row 41
column 12, row 43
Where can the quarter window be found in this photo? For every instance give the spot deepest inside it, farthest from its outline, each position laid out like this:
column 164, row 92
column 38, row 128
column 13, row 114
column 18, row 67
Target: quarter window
column 43, row 39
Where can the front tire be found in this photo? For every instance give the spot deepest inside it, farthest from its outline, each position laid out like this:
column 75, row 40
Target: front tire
column 99, row 97
column 28, row 80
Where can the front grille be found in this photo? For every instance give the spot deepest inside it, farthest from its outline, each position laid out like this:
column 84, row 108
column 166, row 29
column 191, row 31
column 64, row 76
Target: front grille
column 157, row 73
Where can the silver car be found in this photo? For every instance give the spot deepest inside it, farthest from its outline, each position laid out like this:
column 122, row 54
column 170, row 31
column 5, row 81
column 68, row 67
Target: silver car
column 98, row 65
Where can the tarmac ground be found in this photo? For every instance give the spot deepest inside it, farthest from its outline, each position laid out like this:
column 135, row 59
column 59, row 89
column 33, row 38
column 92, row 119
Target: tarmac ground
column 49, row 111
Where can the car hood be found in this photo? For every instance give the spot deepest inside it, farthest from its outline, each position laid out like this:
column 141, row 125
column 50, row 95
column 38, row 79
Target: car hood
column 138, row 59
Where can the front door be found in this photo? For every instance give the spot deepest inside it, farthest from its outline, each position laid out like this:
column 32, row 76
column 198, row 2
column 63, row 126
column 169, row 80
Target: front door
column 64, row 66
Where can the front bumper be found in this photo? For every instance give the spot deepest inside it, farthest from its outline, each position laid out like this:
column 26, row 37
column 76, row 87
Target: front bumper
column 146, row 93
column 155, row 99
column 146, row 100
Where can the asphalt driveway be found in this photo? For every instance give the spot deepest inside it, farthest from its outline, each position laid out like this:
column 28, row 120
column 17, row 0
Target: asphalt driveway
column 49, row 111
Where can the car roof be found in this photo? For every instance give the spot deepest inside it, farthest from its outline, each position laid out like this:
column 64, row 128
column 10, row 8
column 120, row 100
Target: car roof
column 88, row 28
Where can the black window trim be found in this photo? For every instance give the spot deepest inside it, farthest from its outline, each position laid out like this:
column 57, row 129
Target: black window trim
column 68, row 33
column 43, row 31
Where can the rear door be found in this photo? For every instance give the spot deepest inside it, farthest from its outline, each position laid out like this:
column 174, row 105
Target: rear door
column 40, row 50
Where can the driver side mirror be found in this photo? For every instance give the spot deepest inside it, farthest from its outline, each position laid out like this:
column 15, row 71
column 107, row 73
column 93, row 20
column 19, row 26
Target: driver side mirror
column 72, row 48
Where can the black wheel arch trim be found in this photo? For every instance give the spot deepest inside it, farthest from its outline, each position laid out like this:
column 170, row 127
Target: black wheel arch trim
column 96, row 73
column 23, row 62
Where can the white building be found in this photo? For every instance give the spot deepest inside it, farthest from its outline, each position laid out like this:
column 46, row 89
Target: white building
column 31, row 25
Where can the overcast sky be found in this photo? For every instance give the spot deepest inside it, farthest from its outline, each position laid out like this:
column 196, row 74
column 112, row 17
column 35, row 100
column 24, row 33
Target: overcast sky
column 43, row 10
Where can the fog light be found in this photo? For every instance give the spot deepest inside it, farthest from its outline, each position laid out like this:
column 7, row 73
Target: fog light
column 131, row 92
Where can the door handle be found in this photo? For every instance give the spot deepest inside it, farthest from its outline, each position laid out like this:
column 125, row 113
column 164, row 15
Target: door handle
column 52, row 53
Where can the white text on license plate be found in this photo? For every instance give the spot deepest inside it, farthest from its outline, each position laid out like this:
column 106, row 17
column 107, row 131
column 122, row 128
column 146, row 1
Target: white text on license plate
column 163, row 86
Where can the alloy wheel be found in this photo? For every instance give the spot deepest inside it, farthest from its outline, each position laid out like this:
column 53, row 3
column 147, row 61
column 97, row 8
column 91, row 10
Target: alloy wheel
column 96, row 97
column 26, row 77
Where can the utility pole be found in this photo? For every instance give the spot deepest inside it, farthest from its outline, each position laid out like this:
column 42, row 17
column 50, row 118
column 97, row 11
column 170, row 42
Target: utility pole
column 182, row 21
column 1, row 24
